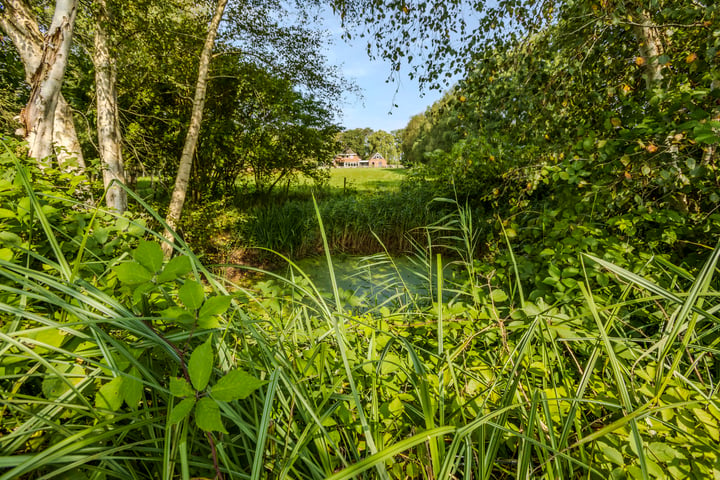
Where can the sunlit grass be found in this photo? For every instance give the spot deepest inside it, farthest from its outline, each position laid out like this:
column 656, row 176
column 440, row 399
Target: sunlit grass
column 361, row 180
column 367, row 179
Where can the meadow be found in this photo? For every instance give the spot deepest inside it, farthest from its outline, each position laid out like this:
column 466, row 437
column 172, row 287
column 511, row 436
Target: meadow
column 367, row 179
column 540, row 291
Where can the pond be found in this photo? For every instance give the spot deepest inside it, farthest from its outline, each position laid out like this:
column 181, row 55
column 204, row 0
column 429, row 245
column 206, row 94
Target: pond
column 370, row 281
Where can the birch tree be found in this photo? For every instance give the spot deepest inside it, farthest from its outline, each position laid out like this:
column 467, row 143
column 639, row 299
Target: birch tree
column 20, row 25
column 38, row 116
column 183, row 174
column 108, row 122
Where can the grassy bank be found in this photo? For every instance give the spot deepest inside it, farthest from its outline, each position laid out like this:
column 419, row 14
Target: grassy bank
column 371, row 212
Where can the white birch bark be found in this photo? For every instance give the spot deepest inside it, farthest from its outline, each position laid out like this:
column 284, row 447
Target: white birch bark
column 651, row 47
column 183, row 175
column 19, row 24
column 108, row 124
column 65, row 140
column 38, row 116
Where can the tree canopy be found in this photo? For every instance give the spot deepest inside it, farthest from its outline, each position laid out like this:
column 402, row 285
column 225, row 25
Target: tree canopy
column 153, row 48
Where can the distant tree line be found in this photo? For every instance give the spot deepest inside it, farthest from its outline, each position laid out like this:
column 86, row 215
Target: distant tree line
column 367, row 142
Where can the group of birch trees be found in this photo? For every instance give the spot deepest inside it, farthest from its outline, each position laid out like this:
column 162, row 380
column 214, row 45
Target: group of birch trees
column 151, row 69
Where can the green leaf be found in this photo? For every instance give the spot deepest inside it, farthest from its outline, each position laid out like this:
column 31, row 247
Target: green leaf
column 6, row 254
column 706, row 135
column 538, row 368
column 498, row 296
column 181, row 410
column 396, row 406
column 215, row 305
column 192, row 294
column 101, row 235
column 663, row 452
column 149, row 255
column 208, row 322
column 236, row 385
column 9, row 238
column 177, row 314
column 200, row 365
column 109, row 397
column 132, row 389
column 5, row 213
column 180, row 387
column 176, row 267
column 612, row 454
column 207, row 416
column 132, row 273
column 55, row 385
column 52, row 337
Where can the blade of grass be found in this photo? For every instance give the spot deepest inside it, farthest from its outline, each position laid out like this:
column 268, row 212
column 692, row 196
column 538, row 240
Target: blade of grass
column 619, row 379
column 258, row 464
column 379, row 458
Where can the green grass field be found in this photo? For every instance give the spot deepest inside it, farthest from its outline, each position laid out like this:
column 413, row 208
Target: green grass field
column 367, row 179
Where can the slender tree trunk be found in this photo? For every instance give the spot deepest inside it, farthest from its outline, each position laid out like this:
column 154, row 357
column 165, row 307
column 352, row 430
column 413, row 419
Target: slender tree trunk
column 108, row 124
column 708, row 157
column 651, row 47
column 183, row 175
column 45, row 61
column 67, row 146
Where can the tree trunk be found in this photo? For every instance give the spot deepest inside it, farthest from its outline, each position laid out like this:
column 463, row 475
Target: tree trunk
column 108, row 124
column 708, row 157
column 65, row 140
column 18, row 22
column 651, row 47
column 44, row 69
column 183, row 174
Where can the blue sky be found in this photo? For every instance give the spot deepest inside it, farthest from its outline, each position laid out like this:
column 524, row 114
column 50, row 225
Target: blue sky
column 376, row 108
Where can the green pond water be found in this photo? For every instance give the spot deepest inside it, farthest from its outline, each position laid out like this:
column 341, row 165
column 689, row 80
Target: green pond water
column 370, row 280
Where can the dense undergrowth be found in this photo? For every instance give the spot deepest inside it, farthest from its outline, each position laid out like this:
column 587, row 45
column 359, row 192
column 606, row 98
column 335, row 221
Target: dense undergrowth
column 567, row 351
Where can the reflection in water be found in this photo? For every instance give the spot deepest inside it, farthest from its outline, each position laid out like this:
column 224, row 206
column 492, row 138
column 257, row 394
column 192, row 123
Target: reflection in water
column 366, row 282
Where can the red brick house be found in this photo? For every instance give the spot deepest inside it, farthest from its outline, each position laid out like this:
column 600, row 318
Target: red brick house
column 377, row 160
column 347, row 159
column 350, row 159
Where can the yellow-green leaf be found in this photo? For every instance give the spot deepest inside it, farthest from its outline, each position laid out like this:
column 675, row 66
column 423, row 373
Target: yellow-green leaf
column 181, row 410
column 180, row 387
column 201, row 364
column 132, row 273
column 207, row 416
column 192, row 294
column 175, row 268
column 236, row 385
column 215, row 305
column 132, row 389
column 149, row 255
column 109, row 397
